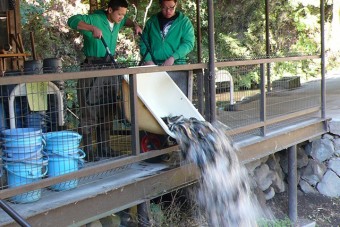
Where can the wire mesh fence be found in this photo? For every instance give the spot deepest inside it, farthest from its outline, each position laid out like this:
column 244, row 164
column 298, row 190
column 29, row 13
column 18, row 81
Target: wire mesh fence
column 240, row 101
column 57, row 128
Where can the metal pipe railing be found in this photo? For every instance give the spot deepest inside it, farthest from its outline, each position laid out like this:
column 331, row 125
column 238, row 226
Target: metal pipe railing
column 16, row 217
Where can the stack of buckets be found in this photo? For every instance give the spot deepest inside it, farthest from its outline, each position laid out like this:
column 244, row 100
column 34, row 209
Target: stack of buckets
column 24, row 160
column 29, row 155
column 64, row 156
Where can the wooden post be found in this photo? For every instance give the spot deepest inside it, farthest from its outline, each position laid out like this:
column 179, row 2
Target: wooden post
column 33, row 46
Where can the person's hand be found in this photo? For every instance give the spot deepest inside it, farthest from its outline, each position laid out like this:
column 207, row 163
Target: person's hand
column 138, row 30
column 169, row 61
column 149, row 63
column 96, row 32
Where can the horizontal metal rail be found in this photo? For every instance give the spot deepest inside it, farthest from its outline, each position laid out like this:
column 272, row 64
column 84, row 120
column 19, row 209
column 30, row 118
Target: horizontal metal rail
column 272, row 121
column 137, row 70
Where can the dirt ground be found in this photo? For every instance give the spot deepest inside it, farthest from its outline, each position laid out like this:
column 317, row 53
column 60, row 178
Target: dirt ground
column 325, row 211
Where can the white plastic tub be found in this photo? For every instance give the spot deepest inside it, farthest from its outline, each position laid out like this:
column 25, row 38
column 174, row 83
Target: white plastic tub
column 159, row 97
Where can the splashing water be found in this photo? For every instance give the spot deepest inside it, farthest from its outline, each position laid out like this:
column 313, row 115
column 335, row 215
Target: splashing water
column 224, row 192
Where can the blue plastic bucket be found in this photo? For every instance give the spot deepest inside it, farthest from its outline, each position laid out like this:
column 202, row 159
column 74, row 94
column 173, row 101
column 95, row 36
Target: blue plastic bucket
column 22, row 150
column 21, row 132
column 19, row 173
column 36, row 120
column 24, row 154
column 62, row 141
column 62, row 164
column 22, row 142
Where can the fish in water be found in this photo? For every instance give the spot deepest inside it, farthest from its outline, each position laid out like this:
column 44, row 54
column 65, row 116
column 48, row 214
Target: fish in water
column 224, row 193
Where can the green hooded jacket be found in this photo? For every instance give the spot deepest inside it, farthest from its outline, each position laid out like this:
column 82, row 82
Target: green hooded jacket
column 94, row 47
column 178, row 42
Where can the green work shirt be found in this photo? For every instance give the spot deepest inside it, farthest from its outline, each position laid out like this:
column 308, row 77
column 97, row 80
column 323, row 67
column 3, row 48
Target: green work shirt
column 94, row 47
column 178, row 42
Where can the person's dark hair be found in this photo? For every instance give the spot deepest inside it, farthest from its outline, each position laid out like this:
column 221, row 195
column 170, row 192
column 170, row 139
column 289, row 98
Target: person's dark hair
column 115, row 4
column 160, row 1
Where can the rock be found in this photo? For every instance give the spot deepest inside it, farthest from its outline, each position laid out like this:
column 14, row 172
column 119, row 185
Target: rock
column 322, row 149
column 251, row 166
column 307, row 188
column 284, row 161
column 274, row 164
column 334, row 127
column 261, row 198
column 110, row 221
column 313, row 172
column 330, row 184
column 277, row 183
column 302, row 157
column 308, row 148
column 94, row 224
column 328, row 136
column 263, row 177
column 337, row 153
column 334, row 164
column 336, row 143
column 269, row 193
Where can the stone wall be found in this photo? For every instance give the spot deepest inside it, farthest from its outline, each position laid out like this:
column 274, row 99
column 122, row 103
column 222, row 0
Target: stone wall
column 318, row 167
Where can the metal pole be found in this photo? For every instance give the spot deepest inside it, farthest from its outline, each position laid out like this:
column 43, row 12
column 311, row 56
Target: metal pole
column 200, row 84
column 267, row 44
column 199, row 74
column 292, row 183
column 263, row 109
column 211, row 77
column 134, row 113
column 143, row 211
column 199, row 32
column 16, row 217
column 323, row 79
column 206, row 85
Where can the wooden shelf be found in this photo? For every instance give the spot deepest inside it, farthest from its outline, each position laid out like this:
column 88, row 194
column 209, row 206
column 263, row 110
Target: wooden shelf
column 13, row 55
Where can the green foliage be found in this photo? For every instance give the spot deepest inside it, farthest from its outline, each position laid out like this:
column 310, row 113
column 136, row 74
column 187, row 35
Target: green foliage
column 239, row 31
column 275, row 223
column 48, row 21
column 71, row 104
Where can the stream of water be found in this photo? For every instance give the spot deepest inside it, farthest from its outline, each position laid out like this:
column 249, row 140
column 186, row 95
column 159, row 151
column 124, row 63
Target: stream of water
column 224, row 192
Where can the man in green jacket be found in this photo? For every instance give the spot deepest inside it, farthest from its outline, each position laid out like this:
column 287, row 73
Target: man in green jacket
column 170, row 36
column 97, row 96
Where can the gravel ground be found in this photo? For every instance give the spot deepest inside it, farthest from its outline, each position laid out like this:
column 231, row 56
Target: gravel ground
column 325, row 211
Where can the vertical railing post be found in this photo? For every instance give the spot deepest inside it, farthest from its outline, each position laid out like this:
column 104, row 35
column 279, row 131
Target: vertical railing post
column 263, row 108
column 269, row 86
column 212, row 90
column 292, row 184
column 143, row 211
column 207, row 100
column 200, row 95
column 323, row 79
column 135, row 144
